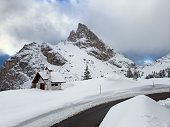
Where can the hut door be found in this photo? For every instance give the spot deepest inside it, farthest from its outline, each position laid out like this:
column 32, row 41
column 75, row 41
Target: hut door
column 42, row 86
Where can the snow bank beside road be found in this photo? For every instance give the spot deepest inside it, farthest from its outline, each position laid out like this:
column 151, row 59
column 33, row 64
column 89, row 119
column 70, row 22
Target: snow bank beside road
column 165, row 103
column 140, row 111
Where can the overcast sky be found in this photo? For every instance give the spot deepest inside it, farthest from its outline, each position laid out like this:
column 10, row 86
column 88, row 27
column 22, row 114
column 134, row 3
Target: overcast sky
column 137, row 28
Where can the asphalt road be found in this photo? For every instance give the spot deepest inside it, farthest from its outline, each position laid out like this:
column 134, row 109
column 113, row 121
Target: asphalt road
column 94, row 116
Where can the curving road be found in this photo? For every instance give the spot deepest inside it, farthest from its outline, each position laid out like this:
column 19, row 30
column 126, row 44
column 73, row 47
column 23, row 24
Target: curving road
column 94, row 116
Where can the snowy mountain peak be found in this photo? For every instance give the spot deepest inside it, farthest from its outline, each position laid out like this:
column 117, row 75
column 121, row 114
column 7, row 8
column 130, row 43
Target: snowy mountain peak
column 82, row 32
column 85, row 38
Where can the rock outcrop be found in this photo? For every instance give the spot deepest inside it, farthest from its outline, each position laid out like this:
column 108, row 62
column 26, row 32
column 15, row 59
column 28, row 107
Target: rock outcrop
column 23, row 66
column 85, row 38
column 53, row 58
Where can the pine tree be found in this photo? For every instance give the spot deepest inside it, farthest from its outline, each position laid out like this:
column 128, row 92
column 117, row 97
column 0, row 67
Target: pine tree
column 87, row 74
column 163, row 74
column 160, row 74
column 135, row 75
column 139, row 75
column 154, row 74
column 129, row 73
column 168, row 72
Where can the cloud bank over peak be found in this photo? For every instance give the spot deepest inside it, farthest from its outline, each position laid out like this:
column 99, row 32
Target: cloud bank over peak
column 136, row 27
column 27, row 21
column 139, row 26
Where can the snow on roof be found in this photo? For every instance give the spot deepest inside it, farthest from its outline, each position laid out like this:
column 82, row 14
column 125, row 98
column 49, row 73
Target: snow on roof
column 48, row 68
column 140, row 111
column 55, row 76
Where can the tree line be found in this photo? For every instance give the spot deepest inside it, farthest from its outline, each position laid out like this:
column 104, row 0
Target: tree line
column 161, row 74
column 133, row 74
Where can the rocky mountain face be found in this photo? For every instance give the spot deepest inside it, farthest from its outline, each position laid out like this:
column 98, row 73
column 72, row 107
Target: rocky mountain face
column 22, row 67
column 82, row 48
column 53, row 58
column 85, row 38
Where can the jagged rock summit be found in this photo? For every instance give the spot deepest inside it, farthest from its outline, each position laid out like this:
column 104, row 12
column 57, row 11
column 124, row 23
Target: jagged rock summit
column 85, row 38
column 69, row 58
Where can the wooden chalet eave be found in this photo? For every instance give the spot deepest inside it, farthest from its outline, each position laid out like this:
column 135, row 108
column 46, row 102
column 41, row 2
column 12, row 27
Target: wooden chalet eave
column 40, row 77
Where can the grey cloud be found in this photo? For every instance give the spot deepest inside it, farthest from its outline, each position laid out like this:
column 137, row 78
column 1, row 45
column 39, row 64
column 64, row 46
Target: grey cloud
column 28, row 21
column 131, row 27
column 141, row 27
column 13, row 8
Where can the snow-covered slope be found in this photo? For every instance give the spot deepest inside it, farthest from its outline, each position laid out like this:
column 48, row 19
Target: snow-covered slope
column 68, row 57
column 39, row 108
column 160, row 64
column 140, row 111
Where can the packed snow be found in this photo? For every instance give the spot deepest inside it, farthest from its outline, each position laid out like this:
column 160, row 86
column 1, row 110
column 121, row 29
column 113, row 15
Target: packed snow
column 165, row 103
column 35, row 107
column 140, row 111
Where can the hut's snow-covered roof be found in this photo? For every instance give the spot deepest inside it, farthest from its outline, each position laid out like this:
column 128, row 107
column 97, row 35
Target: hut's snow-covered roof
column 55, row 76
column 48, row 68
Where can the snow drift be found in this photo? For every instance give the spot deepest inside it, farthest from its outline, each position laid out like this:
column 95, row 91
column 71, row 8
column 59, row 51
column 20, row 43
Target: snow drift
column 140, row 111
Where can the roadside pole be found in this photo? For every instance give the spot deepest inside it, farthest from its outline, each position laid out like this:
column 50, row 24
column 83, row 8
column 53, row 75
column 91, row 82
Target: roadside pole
column 100, row 89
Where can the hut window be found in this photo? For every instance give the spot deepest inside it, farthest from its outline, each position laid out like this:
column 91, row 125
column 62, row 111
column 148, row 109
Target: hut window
column 54, row 84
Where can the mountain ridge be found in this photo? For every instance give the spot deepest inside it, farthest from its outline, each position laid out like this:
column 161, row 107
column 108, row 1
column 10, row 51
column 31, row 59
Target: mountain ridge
column 68, row 57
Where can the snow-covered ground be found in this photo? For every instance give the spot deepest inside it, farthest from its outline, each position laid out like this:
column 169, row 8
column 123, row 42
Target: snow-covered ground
column 165, row 103
column 140, row 111
column 34, row 107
